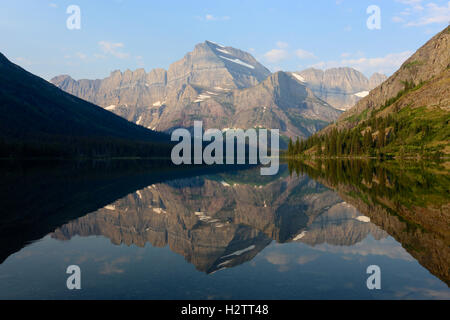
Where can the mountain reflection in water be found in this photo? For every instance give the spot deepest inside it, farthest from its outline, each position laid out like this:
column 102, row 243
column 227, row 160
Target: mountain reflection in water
column 230, row 221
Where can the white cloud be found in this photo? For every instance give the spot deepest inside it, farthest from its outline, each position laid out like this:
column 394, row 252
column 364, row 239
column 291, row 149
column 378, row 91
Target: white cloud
column 211, row 17
column 433, row 14
column 386, row 64
column 276, row 55
column 422, row 13
column 303, row 54
column 281, row 53
column 113, row 49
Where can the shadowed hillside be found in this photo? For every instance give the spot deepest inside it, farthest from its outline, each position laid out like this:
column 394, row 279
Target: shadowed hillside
column 37, row 119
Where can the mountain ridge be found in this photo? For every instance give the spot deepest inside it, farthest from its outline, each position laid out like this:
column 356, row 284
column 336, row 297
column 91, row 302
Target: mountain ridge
column 341, row 87
column 408, row 115
column 36, row 117
column 206, row 84
column 427, row 62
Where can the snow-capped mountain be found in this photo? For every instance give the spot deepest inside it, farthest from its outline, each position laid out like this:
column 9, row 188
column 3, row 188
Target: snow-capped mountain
column 223, row 86
column 340, row 87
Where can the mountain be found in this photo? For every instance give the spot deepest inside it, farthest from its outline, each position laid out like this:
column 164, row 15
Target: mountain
column 376, row 79
column 407, row 115
column 280, row 101
column 211, row 65
column 36, row 118
column 208, row 65
column 340, row 87
column 428, row 69
column 223, row 86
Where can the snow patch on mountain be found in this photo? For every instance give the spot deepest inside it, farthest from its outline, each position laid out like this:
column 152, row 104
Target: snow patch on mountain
column 363, row 219
column 223, row 51
column 299, row 77
column 238, row 62
column 215, row 43
column 159, row 211
column 202, row 97
column 362, row 94
column 300, row 236
column 240, row 252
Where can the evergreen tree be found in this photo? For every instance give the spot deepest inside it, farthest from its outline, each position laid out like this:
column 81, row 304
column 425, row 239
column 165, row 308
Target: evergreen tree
column 319, row 148
column 367, row 142
column 297, row 149
column 290, row 147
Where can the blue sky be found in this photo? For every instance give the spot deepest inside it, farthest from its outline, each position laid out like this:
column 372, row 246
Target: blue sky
column 283, row 35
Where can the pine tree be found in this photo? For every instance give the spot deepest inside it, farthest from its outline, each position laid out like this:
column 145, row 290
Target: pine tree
column 297, row 146
column 367, row 142
column 290, row 147
column 319, row 148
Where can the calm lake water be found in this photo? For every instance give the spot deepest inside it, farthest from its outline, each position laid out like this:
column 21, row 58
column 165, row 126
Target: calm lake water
column 139, row 231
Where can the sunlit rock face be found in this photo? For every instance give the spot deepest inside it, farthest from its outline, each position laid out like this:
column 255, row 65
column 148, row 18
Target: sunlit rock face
column 213, row 65
column 222, row 86
column 340, row 87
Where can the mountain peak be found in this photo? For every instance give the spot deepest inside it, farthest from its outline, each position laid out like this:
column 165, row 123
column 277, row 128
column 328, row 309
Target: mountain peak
column 214, row 43
column 224, row 86
column 211, row 64
column 341, row 87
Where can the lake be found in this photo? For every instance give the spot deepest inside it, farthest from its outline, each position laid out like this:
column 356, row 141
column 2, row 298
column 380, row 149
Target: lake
column 140, row 230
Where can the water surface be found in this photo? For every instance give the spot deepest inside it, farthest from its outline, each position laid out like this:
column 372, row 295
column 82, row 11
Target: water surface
column 140, row 231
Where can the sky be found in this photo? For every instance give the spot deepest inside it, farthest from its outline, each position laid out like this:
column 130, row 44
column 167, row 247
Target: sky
column 289, row 35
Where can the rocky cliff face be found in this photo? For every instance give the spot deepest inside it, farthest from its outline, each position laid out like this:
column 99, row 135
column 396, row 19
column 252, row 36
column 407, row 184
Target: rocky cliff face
column 280, row 101
column 223, row 86
column 376, row 79
column 340, row 87
column 213, row 65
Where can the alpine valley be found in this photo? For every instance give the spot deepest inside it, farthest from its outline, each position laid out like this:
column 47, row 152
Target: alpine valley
column 225, row 88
